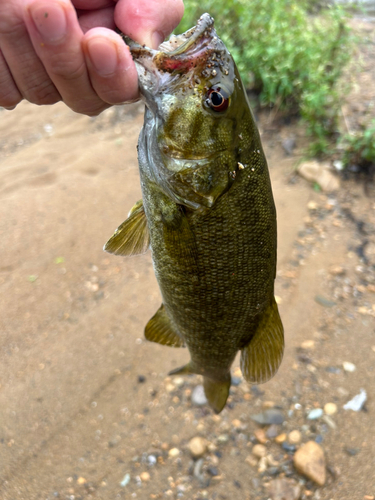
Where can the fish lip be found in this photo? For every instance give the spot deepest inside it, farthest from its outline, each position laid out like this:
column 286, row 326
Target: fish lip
column 191, row 38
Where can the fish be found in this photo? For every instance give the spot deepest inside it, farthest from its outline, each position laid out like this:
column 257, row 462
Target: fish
column 207, row 212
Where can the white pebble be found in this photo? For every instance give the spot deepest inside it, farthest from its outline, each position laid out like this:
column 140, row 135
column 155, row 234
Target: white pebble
column 348, row 367
column 330, row 408
column 198, row 396
column 314, row 414
column 357, row 402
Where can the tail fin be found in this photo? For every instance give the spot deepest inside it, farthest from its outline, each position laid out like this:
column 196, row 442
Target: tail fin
column 217, row 392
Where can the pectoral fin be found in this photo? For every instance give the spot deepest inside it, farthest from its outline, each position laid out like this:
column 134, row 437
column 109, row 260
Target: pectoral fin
column 132, row 237
column 160, row 330
column 261, row 358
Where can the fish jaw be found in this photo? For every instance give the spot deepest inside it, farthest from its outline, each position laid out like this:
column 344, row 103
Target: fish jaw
column 198, row 52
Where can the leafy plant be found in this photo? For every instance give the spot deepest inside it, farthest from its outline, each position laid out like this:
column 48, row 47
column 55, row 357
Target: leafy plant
column 292, row 59
column 359, row 148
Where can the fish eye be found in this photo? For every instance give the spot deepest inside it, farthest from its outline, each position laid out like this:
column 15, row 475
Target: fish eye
column 217, row 99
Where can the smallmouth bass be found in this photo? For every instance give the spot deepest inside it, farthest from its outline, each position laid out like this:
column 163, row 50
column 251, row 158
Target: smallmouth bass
column 207, row 212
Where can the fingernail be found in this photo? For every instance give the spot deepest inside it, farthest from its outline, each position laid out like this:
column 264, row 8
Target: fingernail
column 49, row 20
column 103, row 55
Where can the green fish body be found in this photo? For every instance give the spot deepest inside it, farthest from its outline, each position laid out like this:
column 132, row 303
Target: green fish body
column 207, row 212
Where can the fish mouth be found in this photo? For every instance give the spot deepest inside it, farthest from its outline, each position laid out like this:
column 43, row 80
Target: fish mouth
column 180, row 52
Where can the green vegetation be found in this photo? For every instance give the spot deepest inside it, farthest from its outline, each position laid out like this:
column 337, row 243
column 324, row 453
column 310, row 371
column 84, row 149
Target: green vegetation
column 359, row 148
column 292, row 59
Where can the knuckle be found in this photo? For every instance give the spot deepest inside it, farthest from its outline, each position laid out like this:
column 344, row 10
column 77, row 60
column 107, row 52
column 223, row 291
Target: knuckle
column 42, row 93
column 66, row 68
column 11, row 24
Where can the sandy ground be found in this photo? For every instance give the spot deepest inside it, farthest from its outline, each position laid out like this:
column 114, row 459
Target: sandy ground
column 84, row 400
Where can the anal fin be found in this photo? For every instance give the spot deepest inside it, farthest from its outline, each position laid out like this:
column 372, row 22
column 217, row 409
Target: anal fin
column 132, row 236
column 160, row 330
column 262, row 356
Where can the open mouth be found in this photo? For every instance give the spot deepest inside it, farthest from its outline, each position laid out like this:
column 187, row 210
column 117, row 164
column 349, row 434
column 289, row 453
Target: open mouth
column 179, row 52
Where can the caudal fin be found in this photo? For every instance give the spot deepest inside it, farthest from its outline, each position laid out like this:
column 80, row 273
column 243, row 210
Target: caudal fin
column 216, row 392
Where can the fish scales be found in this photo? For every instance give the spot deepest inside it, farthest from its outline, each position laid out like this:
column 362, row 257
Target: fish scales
column 207, row 212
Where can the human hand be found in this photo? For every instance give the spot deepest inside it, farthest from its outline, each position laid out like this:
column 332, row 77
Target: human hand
column 53, row 50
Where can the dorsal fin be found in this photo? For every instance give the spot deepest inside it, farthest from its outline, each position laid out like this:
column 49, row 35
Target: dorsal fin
column 262, row 356
column 132, row 237
column 160, row 330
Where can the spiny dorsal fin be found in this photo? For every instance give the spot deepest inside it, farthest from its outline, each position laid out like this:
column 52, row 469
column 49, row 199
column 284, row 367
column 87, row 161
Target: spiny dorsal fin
column 261, row 358
column 132, row 237
column 160, row 330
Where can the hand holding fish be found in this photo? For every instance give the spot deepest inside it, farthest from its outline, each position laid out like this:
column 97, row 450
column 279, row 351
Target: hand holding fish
column 53, row 50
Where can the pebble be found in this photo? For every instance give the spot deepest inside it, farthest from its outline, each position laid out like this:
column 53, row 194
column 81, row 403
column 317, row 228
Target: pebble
column 259, row 451
column 197, row 446
column 268, row 404
column 289, row 144
column 268, row 417
column 236, row 381
column 213, row 471
column 315, row 413
column 173, row 452
column 284, row 489
column 125, row 481
column 81, row 480
column 237, row 424
column 337, row 270
column 294, row 437
column 280, row 438
column 309, row 460
column 321, row 174
column 198, row 396
column 290, row 448
column 262, row 465
column 308, row 344
column 261, row 436
column 223, row 438
column 328, row 420
column 178, row 381
column 251, row 461
column 330, row 408
column 319, row 299
column 272, row 431
column 145, row 476
column 348, row 367
column 356, row 404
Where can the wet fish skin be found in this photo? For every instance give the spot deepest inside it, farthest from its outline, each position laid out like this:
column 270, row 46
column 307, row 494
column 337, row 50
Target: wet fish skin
column 211, row 219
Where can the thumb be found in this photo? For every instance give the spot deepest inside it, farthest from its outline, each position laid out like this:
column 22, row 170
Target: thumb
column 148, row 22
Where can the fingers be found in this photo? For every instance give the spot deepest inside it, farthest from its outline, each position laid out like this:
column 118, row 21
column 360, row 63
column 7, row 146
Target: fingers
column 45, row 55
column 96, row 18
column 112, row 71
column 22, row 74
column 148, row 21
column 58, row 41
column 9, row 93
